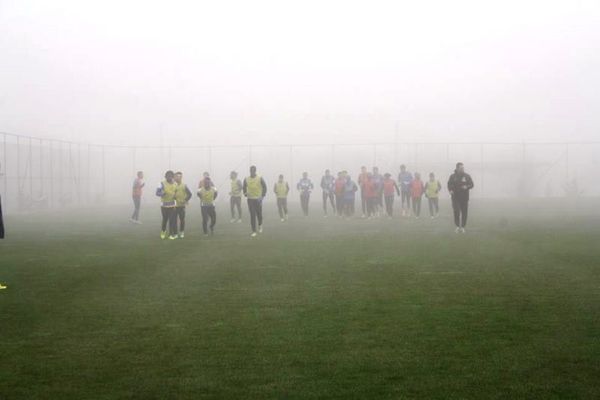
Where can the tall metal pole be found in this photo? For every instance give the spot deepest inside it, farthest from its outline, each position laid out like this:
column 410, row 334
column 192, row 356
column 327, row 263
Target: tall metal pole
column 51, row 174
column 88, row 180
column 41, row 170
column 18, row 171
column 133, row 158
column 567, row 162
column 5, row 174
column 71, row 174
column 482, row 169
column 60, row 174
column 417, row 155
column 292, row 167
column 30, row 168
column 169, row 156
column 332, row 157
column 374, row 155
column 103, row 173
column 79, row 187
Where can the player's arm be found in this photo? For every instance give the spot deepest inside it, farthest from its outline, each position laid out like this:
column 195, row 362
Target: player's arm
column 160, row 190
column 188, row 193
column 451, row 184
column 245, row 188
column 264, row 187
column 470, row 184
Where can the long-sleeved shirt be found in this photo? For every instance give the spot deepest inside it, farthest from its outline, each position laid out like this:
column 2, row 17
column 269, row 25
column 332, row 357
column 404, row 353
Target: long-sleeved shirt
column 459, row 185
column 405, row 179
column 378, row 182
column 350, row 189
column 328, row 183
column 305, row 186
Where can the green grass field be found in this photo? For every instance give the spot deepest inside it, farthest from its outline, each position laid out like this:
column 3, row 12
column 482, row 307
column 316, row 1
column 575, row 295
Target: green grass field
column 97, row 308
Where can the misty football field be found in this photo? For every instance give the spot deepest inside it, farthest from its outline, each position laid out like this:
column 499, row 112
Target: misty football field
column 97, row 308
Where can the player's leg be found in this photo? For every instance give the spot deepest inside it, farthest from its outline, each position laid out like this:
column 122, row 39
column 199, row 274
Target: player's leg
column 136, row 208
column 259, row 215
column 280, row 208
column 165, row 219
column 456, row 211
column 172, row 223
column 212, row 213
column 232, row 207
column 252, row 210
column 238, row 204
column 464, row 210
column 204, row 211
column 181, row 217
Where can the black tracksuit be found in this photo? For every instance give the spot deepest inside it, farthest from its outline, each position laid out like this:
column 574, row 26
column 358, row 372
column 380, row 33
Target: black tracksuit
column 459, row 186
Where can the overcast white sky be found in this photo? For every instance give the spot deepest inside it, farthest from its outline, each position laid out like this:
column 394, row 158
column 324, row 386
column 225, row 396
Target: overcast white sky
column 305, row 71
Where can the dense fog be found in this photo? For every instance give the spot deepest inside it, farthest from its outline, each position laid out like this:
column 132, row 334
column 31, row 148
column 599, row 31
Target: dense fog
column 100, row 90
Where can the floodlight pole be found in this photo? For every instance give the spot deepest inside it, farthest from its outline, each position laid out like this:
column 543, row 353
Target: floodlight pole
column 41, row 169
column 30, row 162
column 18, row 170
column 88, row 180
column 374, row 155
column 133, row 158
column 60, row 173
column 51, row 174
column 567, row 162
column 482, row 169
column 333, row 157
column 5, row 175
column 79, row 188
column 169, row 156
column 292, row 167
column 103, row 172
